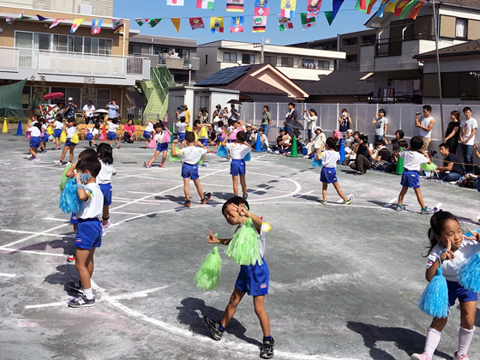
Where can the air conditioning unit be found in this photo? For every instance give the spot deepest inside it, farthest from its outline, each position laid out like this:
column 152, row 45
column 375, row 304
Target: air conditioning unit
column 86, row 9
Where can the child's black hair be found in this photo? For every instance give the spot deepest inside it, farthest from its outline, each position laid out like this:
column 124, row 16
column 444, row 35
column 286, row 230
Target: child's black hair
column 196, row 122
column 437, row 224
column 104, row 152
column 331, row 143
column 236, row 200
column 403, row 144
column 220, row 124
column 42, row 120
column 416, row 143
column 364, row 138
column 427, row 107
column 241, row 137
column 190, row 137
column 115, row 121
column 59, row 117
column 158, row 125
column 230, row 122
column 38, row 125
column 97, row 125
column 182, row 119
column 91, row 164
column 87, row 153
column 400, row 133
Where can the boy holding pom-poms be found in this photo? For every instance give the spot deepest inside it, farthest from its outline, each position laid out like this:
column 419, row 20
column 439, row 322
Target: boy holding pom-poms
column 252, row 279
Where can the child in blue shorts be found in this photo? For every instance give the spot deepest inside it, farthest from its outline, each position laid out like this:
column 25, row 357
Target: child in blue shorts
column 89, row 228
column 252, row 279
column 112, row 132
column 328, row 174
column 412, row 161
column 191, row 155
column 57, row 132
column 162, row 145
column 181, row 129
column 238, row 151
column 35, row 140
column 71, row 130
column 148, row 133
column 104, row 180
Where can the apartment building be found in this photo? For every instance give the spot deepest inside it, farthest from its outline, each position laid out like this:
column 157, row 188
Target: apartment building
column 88, row 7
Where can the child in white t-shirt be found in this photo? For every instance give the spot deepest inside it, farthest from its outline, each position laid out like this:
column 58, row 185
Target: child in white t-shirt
column 112, row 132
column 35, row 140
column 181, row 129
column 162, row 145
column 148, row 133
column 104, row 179
column 238, row 151
column 57, row 131
column 71, row 130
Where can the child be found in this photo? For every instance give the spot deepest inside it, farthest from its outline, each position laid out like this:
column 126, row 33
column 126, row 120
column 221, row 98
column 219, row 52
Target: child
column 71, row 130
column 112, row 132
column 148, row 133
column 191, row 155
column 104, row 179
column 162, row 145
column 263, row 140
column 454, row 250
column 328, row 174
column 238, row 151
column 89, row 229
column 252, row 279
column 44, row 135
column 202, row 133
column 349, row 141
column 91, row 135
column 220, row 131
column 412, row 161
column 57, row 132
column 181, row 128
column 34, row 140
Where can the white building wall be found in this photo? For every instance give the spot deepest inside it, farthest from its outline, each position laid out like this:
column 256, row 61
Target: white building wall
column 212, row 66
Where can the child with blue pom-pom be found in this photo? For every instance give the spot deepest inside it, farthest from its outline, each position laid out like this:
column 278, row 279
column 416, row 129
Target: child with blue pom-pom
column 252, row 279
column 454, row 250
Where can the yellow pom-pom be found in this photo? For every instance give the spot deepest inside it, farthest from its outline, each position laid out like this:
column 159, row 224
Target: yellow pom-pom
column 266, row 227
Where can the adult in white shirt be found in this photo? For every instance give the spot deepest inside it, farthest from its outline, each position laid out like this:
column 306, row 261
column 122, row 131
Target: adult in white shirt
column 88, row 112
column 311, row 117
column 468, row 129
column 381, row 125
column 425, row 125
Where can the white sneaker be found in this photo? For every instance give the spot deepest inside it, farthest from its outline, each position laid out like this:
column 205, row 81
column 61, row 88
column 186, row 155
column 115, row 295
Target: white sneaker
column 422, row 356
column 57, row 162
column 29, row 157
column 277, row 152
column 68, row 163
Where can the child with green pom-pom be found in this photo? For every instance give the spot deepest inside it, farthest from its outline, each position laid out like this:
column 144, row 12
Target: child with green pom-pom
column 252, row 279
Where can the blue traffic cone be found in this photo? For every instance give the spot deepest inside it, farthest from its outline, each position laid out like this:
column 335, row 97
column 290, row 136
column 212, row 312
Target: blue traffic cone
column 19, row 129
column 342, row 151
column 258, row 145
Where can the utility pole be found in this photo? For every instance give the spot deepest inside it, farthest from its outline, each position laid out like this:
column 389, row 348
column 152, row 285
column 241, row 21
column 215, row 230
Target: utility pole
column 262, row 50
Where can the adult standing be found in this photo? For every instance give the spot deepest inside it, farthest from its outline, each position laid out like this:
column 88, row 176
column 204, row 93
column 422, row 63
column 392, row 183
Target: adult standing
column 452, row 135
column 112, row 108
column 425, row 125
column 344, row 121
column 468, row 129
column 451, row 169
column 71, row 109
column 203, row 116
column 311, row 117
column 129, row 132
column 381, row 125
column 179, row 113
column 234, row 113
column 266, row 120
column 187, row 114
column 217, row 114
column 290, row 117
column 88, row 111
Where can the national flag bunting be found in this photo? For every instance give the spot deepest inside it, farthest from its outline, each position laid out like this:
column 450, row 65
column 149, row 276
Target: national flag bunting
column 391, row 6
column 196, row 23
column 153, row 22
column 307, row 22
column 284, row 23
column 382, row 7
column 175, row 2
column 329, row 16
column 335, row 7
column 313, row 8
column 24, row 17
column 10, row 19
column 205, row 4
column 235, row 5
column 261, row 8
column 140, row 21
column 117, row 24
column 400, row 6
column 370, row 6
column 55, row 23
column 287, row 8
column 76, row 24
column 176, row 23
column 361, row 5
column 237, row 24
column 96, row 26
column 216, row 25
column 41, row 18
column 406, row 10
column 259, row 24
column 413, row 14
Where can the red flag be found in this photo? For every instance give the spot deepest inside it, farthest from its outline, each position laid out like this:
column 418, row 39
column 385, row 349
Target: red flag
column 413, row 14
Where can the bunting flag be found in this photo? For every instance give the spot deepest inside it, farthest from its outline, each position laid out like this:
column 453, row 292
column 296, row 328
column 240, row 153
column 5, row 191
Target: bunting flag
column 287, row 8
column 216, row 25
column 261, row 8
column 413, row 14
column 24, row 17
column 335, row 7
column 370, row 6
column 96, row 26
column 175, row 2
column 196, row 23
column 259, row 24
column 176, row 23
column 308, row 22
column 329, row 15
column 391, row 6
column 406, row 10
column 235, row 5
column 381, row 8
column 400, row 6
column 153, row 22
column 117, row 24
column 237, row 24
column 361, row 5
column 76, row 24
column 41, row 18
column 10, row 19
column 140, row 21
column 313, row 8
column 56, row 22
column 284, row 23
column 205, row 4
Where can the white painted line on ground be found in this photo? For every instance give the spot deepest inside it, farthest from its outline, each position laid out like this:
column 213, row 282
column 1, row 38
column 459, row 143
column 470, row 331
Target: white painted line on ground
column 46, row 232
column 7, row 275
column 124, row 213
column 29, row 252
column 40, row 306
column 390, row 202
column 55, row 219
column 32, row 232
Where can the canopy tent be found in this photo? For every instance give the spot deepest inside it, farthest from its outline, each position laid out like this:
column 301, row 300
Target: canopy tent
column 11, row 99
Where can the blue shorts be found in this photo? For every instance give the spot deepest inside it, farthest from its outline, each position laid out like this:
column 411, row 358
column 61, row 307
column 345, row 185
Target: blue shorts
column 107, row 193
column 237, row 167
column 328, row 175
column 69, row 143
column 253, row 279
column 73, row 219
column 190, row 171
column 147, row 135
column 204, row 142
column 457, row 291
column 111, row 135
column 57, row 133
column 35, row 142
column 45, row 138
column 89, row 234
column 410, row 179
column 162, row 147
column 219, row 139
column 89, row 137
column 181, row 136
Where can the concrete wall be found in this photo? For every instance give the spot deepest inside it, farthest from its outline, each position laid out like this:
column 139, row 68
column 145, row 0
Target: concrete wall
column 210, row 67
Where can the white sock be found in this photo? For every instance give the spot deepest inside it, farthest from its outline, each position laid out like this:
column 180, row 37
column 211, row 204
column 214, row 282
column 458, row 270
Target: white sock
column 432, row 341
column 88, row 293
column 464, row 339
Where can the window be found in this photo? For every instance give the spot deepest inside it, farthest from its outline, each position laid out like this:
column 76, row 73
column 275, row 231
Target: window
column 350, row 41
column 461, row 28
column 42, row 41
column 368, row 40
column 206, row 59
column 271, row 60
column 229, row 57
column 323, row 65
column 248, row 59
column 60, row 43
column 353, row 58
column 308, row 64
column 105, row 46
column 103, row 98
column 287, row 61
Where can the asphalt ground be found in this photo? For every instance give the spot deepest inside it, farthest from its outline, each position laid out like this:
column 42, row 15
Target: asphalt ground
column 344, row 280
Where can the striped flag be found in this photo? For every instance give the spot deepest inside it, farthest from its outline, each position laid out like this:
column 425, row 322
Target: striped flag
column 216, row 25
column 413, row 14
column 205, row 4
column 259, row 24
column 117, row 24
column 235, row 5
column 96, row 26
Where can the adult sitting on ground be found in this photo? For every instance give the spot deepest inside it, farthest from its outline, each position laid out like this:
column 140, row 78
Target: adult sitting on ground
column 399, row 135
column 451, row 170
column 129, row 132
column 284, row 144
column 317, row 143
column 382, row 157
column 250, row 135
column 364, row 152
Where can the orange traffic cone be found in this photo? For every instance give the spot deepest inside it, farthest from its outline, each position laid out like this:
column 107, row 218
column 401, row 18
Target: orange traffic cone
column 104, row 133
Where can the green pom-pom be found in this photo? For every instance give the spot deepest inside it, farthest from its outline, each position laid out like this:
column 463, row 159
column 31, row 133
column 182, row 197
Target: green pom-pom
column 200, row 162
column 177, row 158
column 64, row 178
column 244, row 248
column 208, row 275
column 429, row 167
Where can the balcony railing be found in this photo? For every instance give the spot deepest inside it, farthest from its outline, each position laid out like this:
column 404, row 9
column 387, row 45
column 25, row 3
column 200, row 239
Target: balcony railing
column 298, row 65
column 393, row 46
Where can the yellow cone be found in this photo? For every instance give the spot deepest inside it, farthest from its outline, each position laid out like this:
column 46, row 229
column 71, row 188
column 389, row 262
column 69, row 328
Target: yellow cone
column 5, row 127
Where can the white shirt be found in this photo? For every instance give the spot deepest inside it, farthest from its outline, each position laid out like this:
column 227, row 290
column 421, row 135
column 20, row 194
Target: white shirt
column 412, row 160
column 260, row 238
column 425, row 122
column 45, row 128
column 192, row 154
column 89, row 109
column 349, row 141
column 149, row 127
column 105, row 174
column 112, row 127
column 238, row 151
column 58, row 125
column 467, row 127
column 451, row 268
column 160, row 138
column 72, row 130
column 181, row 127
column 380, row 126
column 93, row 207
column 34, row 131
column 330, row 158
column 94, row 131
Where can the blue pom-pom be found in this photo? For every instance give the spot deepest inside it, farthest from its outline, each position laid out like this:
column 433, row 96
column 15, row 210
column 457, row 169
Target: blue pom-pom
column 434, row 300
column 470, row 274
column 247, row 157
column 69, row 200
column 222, row 151
column 316, row 163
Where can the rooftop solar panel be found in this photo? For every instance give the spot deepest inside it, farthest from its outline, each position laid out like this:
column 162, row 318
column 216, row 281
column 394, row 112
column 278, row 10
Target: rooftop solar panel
column 224, row 76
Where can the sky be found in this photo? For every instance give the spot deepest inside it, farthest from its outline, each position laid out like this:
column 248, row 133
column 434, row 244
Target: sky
column 347, row 20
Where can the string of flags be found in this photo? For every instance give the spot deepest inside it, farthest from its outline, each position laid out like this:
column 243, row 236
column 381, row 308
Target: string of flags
column 308, row 19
